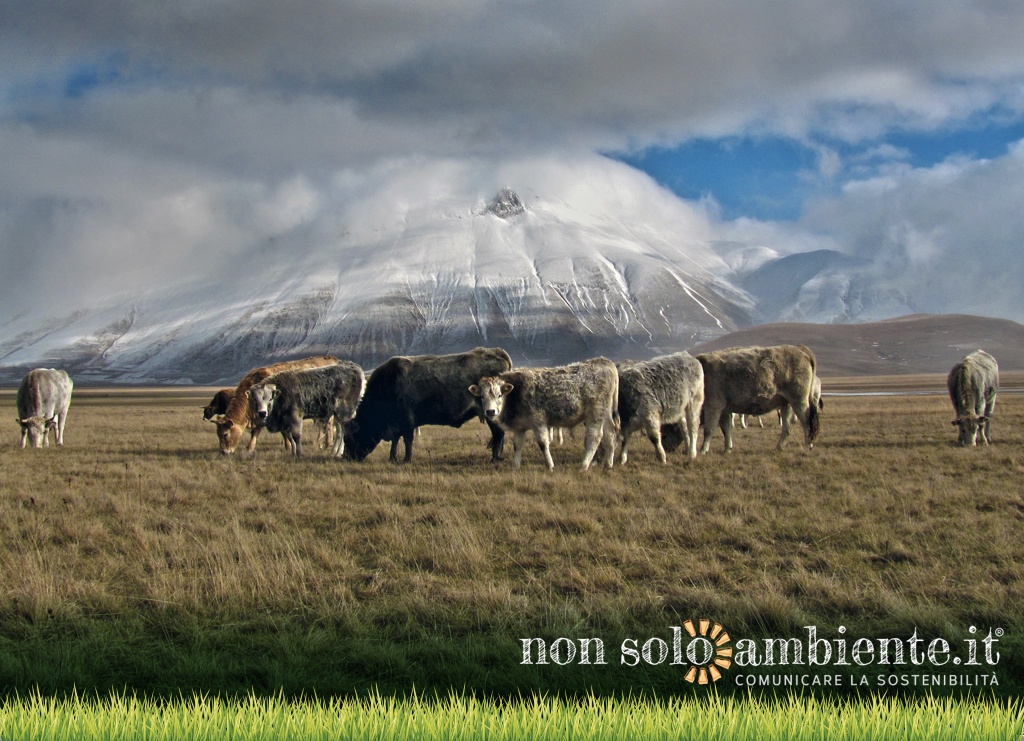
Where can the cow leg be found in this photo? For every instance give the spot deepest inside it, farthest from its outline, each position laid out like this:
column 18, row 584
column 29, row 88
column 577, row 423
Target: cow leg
column 608, row 429
column 394, row 450
column 792, row 413
column 711, row 421
column 252, row 439
column 497, row 444
column 725, row 422
column 407, row 438
column 652, row 427
column 58, row 429
column 339, row 437
column 591, row 441
column 990, row 407
column 518, row 439
column 691, row 418
column 624, row 436
column 787, row 421
column 543, row 435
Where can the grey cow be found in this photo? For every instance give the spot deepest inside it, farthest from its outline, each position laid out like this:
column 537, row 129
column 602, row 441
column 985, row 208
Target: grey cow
column 283, row 401
column 44, row 397
column 662, row 391
column 973, row 383
column 541, row 399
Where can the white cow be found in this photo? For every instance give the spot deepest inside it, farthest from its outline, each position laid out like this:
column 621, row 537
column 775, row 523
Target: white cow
column 541, row 399
column 973, row 383
column 43, row 400
column 662, row 391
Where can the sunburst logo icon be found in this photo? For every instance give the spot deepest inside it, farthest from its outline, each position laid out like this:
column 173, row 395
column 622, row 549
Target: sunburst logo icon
column 708, row 651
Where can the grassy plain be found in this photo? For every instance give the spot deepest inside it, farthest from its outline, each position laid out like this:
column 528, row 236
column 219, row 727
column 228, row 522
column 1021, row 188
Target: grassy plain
column 462, row 718
column 137, row 556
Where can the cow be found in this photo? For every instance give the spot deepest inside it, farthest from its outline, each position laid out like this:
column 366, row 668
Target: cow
column 540, row 399
column 973, row 383
column 238, row 417
column 284, row 400
column 218, row 404
column 757, row 380
column 665, row 390
column 406, row 392
column 44, row 397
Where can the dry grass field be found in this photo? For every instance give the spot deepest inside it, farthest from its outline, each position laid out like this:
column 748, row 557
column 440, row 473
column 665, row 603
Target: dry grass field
column 138, row 555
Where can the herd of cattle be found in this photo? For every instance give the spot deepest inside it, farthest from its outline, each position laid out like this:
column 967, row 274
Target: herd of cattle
column 669, row 398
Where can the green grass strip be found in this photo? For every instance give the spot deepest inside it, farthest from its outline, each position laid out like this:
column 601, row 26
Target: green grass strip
column 460, row 717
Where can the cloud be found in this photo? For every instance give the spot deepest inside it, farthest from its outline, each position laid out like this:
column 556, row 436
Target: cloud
column 949, row 235
column 143, row 141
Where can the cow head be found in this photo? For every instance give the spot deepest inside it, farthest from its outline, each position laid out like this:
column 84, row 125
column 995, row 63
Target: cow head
column 490, row 393
column 261, row 400
column 34, row 429
column 969, row 425
column 229, row 433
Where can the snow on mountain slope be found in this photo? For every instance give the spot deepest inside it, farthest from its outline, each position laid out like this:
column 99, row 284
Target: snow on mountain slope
column 597, row 263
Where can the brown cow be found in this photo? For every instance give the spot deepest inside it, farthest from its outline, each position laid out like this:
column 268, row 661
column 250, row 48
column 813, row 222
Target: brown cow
column 757, row 380
column 239, row 415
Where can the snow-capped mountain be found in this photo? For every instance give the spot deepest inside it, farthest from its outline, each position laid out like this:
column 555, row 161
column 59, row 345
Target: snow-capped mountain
column 552, row 275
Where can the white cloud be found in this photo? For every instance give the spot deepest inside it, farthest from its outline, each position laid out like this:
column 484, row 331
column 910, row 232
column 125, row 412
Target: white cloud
column 950, row 235
column 142, row 140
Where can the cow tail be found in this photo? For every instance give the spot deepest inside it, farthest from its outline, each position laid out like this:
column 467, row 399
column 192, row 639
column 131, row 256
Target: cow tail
column 813, row 422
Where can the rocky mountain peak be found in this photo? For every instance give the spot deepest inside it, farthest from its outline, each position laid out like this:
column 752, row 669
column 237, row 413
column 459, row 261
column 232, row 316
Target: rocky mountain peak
column 506, row 204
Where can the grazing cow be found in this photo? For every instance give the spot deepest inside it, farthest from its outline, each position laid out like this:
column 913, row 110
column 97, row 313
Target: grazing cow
column 757, row 380
column 283, row 401
column 406, row 392
column 218, row 404
column 238, row 417
column 44, row 397
column 664, row 390
column 973, row 383
column 539, row 399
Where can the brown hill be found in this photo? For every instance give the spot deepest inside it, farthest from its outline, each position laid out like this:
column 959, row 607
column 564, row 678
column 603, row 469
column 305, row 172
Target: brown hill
column 918, row 343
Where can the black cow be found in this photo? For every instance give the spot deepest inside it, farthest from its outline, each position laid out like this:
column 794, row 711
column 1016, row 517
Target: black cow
column 218, row 404
column 406, row 392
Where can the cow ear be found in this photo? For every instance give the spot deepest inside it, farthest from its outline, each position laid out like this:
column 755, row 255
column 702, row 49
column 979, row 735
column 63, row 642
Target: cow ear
column 506, row 389
column 475, row 390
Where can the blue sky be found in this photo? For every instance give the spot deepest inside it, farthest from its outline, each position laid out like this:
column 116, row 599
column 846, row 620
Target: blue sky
column 772, row 177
